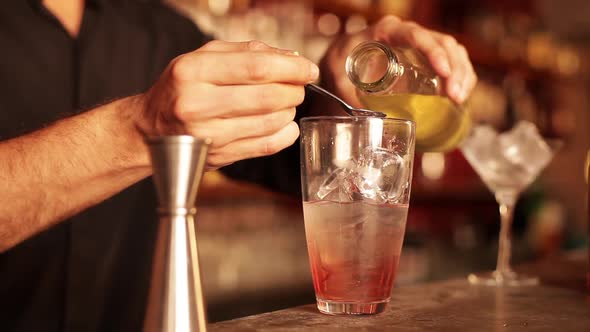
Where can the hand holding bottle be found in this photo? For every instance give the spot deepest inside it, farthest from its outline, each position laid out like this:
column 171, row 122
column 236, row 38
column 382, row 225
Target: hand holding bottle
column 447, row 57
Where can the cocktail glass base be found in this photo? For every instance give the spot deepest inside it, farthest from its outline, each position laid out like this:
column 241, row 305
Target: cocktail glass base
column 502, row 279
column 351, row 308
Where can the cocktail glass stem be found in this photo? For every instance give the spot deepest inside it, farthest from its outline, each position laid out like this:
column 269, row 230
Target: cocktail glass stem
column 506, row 202
column 503, row 275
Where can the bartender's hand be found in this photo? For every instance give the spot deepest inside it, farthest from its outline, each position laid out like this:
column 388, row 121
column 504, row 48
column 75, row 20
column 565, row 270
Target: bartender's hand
column 240, row 95
column 448, row 58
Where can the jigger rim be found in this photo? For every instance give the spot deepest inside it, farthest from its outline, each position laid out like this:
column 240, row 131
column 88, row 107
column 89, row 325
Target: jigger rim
column 178, row 139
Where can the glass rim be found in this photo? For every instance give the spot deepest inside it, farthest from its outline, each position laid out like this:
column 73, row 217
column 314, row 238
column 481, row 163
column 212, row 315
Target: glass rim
column 348, row 118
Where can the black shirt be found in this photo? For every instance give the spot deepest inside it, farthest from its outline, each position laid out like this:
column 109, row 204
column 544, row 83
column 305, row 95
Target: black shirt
column 91, row 273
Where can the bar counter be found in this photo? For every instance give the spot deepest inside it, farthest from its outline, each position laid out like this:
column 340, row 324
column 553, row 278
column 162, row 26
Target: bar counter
column 561, row 303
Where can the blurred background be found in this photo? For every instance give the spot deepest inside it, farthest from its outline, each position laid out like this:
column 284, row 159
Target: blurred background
column 532, row 58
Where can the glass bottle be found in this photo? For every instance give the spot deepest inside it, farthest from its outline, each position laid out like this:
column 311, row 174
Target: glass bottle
column 401, row 83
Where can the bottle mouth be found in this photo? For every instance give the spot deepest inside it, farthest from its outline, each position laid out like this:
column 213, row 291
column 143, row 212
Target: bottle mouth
column 372, row 66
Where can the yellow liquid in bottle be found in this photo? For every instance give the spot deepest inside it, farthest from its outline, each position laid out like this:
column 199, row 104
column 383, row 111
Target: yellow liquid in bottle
column 440, row 124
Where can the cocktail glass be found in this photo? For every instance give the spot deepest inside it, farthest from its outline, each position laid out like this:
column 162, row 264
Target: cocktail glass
column 507, row 162
column 356, row 174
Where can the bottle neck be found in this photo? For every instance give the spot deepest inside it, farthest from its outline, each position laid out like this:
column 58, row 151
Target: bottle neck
column 373, row 67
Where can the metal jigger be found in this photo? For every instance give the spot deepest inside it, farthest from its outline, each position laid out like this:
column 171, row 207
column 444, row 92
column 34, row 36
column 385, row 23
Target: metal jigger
column 175, row 302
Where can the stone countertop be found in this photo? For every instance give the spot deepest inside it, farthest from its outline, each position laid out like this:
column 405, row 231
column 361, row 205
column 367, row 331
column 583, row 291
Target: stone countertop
column 561, row 303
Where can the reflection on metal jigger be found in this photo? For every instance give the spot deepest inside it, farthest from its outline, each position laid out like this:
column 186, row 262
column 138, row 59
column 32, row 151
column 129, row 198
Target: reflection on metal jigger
column 175, row 302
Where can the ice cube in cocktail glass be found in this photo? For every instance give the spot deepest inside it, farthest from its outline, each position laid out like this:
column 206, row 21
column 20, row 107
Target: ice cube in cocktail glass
column 507, row 162
column 355, row 175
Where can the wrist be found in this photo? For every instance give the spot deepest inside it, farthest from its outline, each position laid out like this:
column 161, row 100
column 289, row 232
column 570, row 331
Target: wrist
column 131, row 122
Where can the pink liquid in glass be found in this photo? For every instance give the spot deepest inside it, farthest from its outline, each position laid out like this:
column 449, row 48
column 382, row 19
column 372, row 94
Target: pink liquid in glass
column 354, row 249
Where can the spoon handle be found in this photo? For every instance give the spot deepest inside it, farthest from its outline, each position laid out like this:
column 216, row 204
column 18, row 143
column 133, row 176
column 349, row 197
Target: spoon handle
column 325, row 92
column 347, row 108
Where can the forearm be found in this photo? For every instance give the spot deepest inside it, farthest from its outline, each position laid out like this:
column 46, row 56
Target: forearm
column 56, row 172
